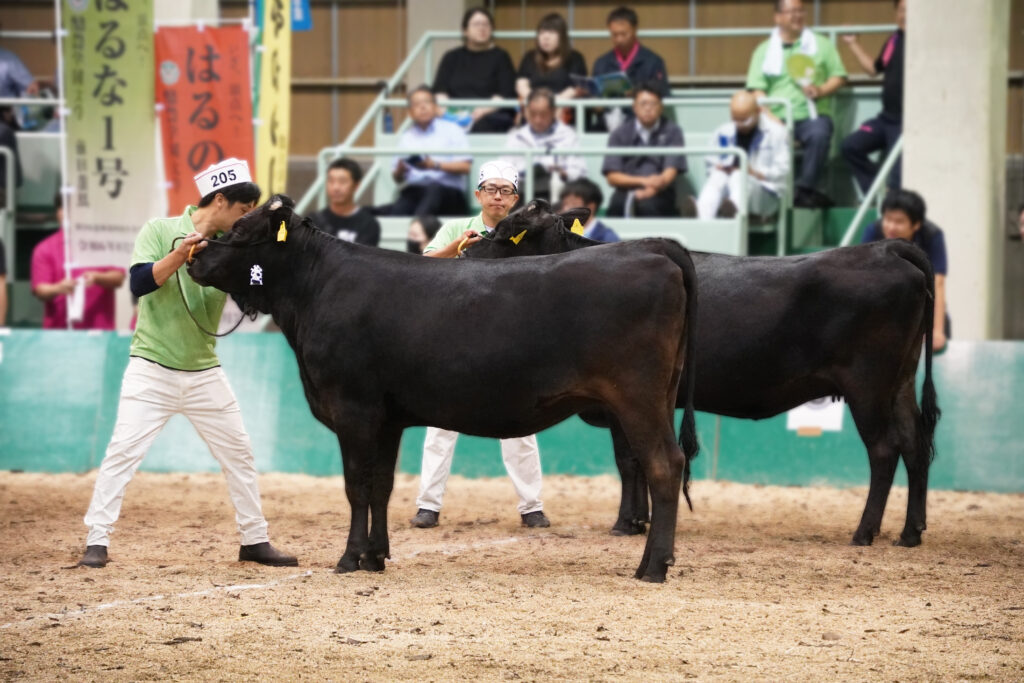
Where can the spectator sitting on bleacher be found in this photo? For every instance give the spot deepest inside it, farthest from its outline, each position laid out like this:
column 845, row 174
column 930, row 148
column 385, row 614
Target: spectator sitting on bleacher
column 810, row 93
column 421, row 230
column 627, row 55
column 433, row 185
column 584, row 193
column 57, row 291
column 3, row 285
column 904, row 217
column 881, row 132
column 15, row 81
column 543, row 132
column 552, row 63
column 644, row 184
column 343, row 218
column 478, row 70
column 767, row 146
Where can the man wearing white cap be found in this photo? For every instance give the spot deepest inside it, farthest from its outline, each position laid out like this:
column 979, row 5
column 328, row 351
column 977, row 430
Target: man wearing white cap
column 497, row 191
column 173, row 368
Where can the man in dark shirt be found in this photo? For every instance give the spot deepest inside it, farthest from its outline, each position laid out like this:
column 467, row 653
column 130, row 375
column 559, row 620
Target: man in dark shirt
column 644, row 184
column 881, row 132
column 342, row 217
column 903, row 217
column 629, row 56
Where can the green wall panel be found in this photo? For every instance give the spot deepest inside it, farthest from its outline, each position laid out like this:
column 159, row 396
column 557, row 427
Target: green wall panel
column 59, row 391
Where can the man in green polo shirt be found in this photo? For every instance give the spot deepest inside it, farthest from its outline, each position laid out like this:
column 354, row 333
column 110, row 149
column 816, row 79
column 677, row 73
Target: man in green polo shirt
column 497, row 191
column 810, row 94
column 173, row 368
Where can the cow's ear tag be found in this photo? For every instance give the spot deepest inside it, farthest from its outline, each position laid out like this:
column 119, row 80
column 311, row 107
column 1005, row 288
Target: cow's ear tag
column 518, row 238
column 282, row 233
column 577, row 227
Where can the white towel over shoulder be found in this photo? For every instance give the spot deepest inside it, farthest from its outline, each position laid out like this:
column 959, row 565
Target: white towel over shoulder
column 773, row 58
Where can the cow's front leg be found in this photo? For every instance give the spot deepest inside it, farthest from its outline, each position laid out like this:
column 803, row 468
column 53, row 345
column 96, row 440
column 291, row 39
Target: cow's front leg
column 380, row 493
column 357, row 468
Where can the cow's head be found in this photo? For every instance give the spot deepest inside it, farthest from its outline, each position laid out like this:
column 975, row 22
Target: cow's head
column 252, row 259
column 532, row 230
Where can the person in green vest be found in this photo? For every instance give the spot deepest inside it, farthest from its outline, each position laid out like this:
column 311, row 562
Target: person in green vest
column 792, row 49
column 173, row 369
column 497, row 191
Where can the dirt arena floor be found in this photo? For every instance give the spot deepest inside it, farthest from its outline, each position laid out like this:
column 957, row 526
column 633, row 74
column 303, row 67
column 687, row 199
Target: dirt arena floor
column 765, row 587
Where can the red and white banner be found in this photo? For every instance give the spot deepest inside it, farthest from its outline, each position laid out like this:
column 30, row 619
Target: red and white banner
column 204, row 100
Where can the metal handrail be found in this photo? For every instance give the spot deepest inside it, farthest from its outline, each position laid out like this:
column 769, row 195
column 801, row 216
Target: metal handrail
column 740, row 153
column 874, row 191
column 8, row 208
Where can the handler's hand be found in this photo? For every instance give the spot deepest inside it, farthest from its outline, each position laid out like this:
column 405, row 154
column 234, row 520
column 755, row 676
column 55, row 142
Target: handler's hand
column 191, row 239
column 471, row 237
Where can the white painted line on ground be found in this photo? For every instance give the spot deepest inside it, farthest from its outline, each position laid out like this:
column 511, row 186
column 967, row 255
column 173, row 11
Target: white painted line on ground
column 447, row 550
column 152, row 598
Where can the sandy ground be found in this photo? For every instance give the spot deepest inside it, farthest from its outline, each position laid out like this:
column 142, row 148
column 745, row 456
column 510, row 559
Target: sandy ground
column 765, row 587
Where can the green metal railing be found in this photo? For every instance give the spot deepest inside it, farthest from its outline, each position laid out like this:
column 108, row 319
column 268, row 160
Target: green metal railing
column 425, row 47
column 874, row 192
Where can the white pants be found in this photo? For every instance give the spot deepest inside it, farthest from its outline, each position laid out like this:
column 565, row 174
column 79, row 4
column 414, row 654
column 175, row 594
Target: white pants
column 521, row 457
column 150, row 395
column 720, row 185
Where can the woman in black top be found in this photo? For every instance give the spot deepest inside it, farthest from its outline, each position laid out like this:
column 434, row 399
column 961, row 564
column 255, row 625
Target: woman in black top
column 552, row 63
column 478, row 69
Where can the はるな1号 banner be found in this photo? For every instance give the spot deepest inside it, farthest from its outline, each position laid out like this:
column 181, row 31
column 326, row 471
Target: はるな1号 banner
column 274, row 97
column 204, row 102
column 108, row 88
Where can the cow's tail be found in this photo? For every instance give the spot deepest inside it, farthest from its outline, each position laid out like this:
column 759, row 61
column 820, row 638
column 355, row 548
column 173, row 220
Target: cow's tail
column 688, row 425
column 930, row 412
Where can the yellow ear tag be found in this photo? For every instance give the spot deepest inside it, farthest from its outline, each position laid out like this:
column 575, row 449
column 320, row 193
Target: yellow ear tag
column 577, row 227
column 518, row 238
column 282, row 233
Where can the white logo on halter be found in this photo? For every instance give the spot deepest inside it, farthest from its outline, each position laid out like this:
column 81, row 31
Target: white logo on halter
column 255, row 275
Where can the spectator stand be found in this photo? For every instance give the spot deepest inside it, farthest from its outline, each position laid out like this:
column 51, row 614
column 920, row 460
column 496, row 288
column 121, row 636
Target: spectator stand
column 697, row 111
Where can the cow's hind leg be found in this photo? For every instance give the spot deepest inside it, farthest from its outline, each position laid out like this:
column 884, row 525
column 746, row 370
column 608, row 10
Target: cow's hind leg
column 873, row 418
column 380, row 493
column 652, row 439
column 633, row 510
column 917, row 458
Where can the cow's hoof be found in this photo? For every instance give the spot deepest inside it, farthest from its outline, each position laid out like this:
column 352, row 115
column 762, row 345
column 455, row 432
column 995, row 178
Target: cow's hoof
column 862, row 539
column 346, row 565
column 372, row 563
column 653, row 578
column 628, row 529
column 908, row 541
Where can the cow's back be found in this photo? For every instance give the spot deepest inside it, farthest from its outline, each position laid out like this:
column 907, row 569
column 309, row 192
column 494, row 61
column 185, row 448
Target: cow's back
column 781, row 331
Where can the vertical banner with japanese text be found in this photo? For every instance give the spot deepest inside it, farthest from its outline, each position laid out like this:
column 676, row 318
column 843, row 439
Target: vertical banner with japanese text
column 205, row 104
column 108, row 88
column 274, row 97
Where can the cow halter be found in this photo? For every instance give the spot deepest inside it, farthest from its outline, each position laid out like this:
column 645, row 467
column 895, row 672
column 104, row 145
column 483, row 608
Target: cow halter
column 184, row 302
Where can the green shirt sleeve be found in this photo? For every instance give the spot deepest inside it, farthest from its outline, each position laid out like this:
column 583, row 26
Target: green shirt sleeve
column 445, row 236
column 831, row 62
column 148, row 246
column 755, row 74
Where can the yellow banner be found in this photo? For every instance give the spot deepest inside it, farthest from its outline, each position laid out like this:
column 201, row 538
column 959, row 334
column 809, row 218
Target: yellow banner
column 274, row 111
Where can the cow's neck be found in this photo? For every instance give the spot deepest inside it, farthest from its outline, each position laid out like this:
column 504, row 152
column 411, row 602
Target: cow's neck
column 301, row 281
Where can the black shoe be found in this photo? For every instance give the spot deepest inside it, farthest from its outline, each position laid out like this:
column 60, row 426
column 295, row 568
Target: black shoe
column 264, row 553
column 535, row 520
column 425, row 519
column 95, row 557
column 808, row 198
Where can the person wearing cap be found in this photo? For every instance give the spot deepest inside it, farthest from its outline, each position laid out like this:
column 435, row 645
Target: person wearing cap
column 173, row 368
column 497, row 191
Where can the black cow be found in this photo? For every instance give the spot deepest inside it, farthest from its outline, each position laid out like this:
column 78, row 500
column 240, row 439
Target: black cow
column 773, row 333
column 386, row 340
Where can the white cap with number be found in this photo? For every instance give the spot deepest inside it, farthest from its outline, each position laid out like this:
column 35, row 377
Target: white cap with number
column 499, row 170
column 228, row 172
